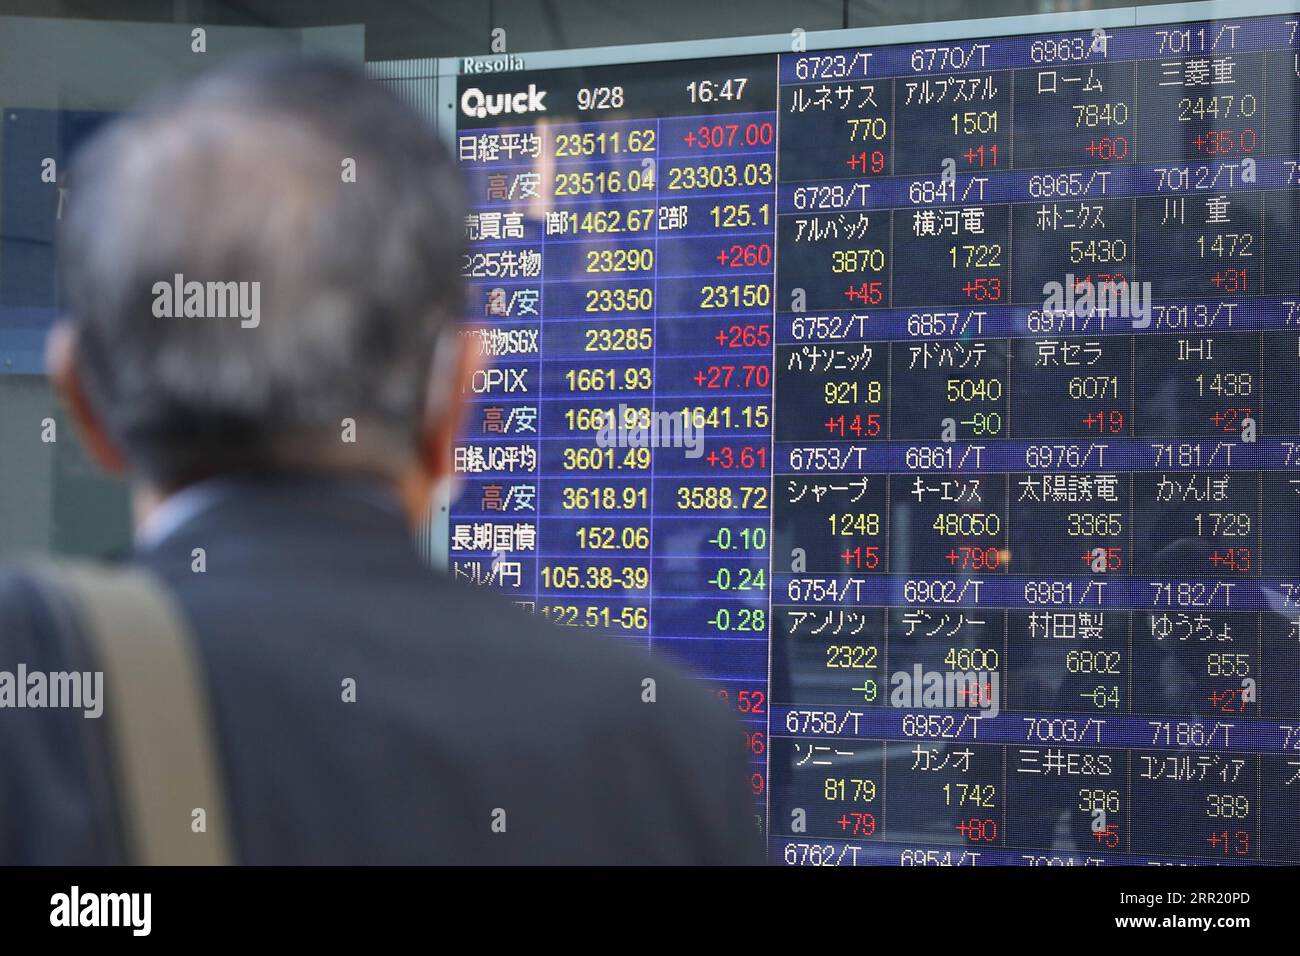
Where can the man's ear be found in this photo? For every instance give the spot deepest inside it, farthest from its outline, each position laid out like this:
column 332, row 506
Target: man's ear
column 65, row 378
column 458, row 359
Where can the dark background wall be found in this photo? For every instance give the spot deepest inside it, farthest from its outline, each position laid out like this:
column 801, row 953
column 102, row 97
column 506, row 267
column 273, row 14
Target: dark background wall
column 398, row 29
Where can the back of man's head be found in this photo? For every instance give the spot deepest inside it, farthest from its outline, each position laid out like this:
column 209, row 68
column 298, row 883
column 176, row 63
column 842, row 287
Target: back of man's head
column 252, row 260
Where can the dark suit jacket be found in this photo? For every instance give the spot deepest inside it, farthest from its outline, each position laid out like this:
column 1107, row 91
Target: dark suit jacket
column 464, row 706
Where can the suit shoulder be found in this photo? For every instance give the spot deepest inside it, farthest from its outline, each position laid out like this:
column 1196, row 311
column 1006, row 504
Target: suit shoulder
column 23, row 614
column 615, row 674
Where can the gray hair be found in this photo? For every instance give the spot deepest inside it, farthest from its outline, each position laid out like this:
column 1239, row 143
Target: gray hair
column 239, row 177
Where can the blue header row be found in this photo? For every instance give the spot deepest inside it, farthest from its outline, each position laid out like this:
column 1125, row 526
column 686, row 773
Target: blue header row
column 1173, row 41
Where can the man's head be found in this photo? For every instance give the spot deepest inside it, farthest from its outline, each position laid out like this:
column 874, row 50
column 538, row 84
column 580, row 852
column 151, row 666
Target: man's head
column 309, row 191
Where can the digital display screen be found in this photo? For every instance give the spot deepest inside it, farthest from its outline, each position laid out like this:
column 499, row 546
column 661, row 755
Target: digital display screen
column 936, row 404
